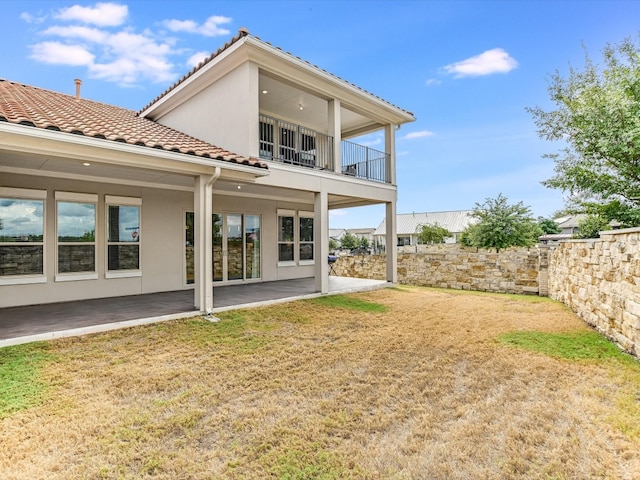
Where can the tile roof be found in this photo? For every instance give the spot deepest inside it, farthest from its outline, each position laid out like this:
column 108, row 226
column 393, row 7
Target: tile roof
column 243, row 32
column 40, row 108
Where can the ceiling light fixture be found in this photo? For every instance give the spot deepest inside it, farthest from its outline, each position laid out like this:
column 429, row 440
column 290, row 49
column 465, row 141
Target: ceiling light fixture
column 239, row 186
column 265, row 91
column 86, row 164
column 300, row 106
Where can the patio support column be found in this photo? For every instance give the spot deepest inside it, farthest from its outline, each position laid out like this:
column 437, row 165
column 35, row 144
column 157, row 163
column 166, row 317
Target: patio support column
column 203, row 226
column 391, row 248
column 321, row 240
column 335, row 131
column 390, row 148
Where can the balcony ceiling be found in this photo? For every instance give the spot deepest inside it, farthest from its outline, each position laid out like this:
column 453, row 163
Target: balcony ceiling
column 283, row 101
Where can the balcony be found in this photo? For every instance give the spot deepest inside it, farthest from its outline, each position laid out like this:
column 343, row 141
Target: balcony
column 285, row 142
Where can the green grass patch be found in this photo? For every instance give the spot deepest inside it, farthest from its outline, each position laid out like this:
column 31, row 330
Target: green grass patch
column 236, row 329
column 20, row 383
column 349, row 302
column 569, row 345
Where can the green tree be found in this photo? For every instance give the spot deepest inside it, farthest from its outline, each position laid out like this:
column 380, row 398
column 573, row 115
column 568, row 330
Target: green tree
column 429, row 234
column 591, row 226
column 349, row 241
column 597, row 115
column 333, row 245
column 548, row 226
column 363, row 242
column 501, row 225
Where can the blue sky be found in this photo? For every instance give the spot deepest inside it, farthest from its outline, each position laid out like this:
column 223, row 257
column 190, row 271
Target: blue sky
column 467, row 70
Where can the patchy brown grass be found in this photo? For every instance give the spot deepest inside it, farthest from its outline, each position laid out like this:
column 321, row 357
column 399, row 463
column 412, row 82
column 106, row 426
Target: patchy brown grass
column 421, row 389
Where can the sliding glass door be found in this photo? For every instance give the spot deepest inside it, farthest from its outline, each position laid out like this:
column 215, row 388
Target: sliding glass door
column 236, row 246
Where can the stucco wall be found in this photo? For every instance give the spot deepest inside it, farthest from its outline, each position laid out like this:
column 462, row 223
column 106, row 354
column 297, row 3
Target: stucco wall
column 600, row 281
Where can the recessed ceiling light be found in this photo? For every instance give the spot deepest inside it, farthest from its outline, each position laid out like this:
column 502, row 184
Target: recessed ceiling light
column 265, row 91
column 86, row 164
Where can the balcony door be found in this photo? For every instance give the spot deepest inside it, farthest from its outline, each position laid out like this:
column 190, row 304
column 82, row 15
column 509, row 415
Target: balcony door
column 236, row 245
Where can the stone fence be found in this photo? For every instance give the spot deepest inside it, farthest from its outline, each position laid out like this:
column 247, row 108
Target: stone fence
column 454, row 266
column 600, row 281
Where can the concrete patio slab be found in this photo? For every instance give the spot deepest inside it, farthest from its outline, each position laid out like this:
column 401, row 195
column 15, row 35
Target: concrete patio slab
column 65, row 319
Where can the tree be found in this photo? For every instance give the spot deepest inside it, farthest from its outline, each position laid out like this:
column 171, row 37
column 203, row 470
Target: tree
column 501, row 225
column 333, row 245
column 598, row 116
column 363, row 242
column 591, row 226
column 548, row 226
column 432, row 233
column 349, row 241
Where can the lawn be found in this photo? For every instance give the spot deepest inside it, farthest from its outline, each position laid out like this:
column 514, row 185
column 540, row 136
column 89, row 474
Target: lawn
column 404, row 383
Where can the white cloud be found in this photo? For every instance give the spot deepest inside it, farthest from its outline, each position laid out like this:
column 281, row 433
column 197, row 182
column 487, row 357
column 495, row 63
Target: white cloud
column 83, row 33
column 196, row 58
column 340, row 212
column 61, row 54
column 487, row 63
column 102, row 14
column 28, row 18
column 432, row 82
column 210, row 28
column 419, row 134
column 84, row 36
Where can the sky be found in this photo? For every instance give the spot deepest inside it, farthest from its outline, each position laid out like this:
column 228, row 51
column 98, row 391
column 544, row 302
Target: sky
column 467, row 70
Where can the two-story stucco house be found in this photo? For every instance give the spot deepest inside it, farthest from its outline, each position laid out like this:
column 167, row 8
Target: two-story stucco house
column 226, row 177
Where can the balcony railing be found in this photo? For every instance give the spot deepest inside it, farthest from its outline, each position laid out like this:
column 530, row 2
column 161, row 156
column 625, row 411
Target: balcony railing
column 364, row 162
column 286, row 142
column 294, row 144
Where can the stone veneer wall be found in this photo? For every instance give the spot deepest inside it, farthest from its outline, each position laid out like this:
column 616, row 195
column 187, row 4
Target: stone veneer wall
column 600, row 281
column 457, row 267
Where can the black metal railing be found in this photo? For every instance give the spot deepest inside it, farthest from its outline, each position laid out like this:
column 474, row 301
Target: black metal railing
column 286, row 142
column 364, row 162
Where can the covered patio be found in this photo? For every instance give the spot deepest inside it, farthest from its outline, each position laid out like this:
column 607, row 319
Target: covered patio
column 65, row 319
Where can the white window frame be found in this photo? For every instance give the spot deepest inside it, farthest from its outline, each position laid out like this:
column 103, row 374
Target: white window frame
column 110, row 201
column 28, row 194
column 287, row 213
column 70, row 197
column 299, row 243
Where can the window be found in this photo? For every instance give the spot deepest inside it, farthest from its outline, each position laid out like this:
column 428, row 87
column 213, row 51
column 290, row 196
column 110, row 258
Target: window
column 123, row 236
column 306, row 245
column 76, row 236
column 266, row 140
column 286, row 239
column 22, row 235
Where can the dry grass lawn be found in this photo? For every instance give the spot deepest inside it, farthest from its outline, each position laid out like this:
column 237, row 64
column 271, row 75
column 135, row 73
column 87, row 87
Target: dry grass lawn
column 415, row 385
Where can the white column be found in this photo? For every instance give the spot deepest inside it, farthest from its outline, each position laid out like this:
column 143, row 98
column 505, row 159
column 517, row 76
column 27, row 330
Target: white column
column 203, row 235
column 391, row 248
column 321, row 241
column 335, row 130
column 390, row 148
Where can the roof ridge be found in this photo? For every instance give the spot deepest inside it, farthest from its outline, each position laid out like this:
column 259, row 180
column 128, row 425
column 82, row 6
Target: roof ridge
column 243, row 32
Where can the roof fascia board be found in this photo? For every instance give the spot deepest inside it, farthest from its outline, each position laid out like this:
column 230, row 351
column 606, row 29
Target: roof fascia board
column 281, row 65
column 208, row 74
column 27, row 139
column 318, row 81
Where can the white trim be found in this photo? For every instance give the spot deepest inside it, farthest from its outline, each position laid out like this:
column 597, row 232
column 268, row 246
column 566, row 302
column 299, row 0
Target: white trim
column 23, row 279
column 116, row 200
column 26, row 193
column 307, row 262
column 76, row 197
column 72, row 277
column 288, row 263
column 122, row 274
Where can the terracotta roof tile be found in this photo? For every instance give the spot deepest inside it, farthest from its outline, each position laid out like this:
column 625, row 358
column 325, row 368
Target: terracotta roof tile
column 39, row 108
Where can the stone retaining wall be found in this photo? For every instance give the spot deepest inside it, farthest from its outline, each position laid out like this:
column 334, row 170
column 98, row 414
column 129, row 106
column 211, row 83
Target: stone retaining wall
column 457, row 267
column 600, row 281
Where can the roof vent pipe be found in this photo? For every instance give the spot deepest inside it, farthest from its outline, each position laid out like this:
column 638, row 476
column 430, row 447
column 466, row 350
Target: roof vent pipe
column 78, row 85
